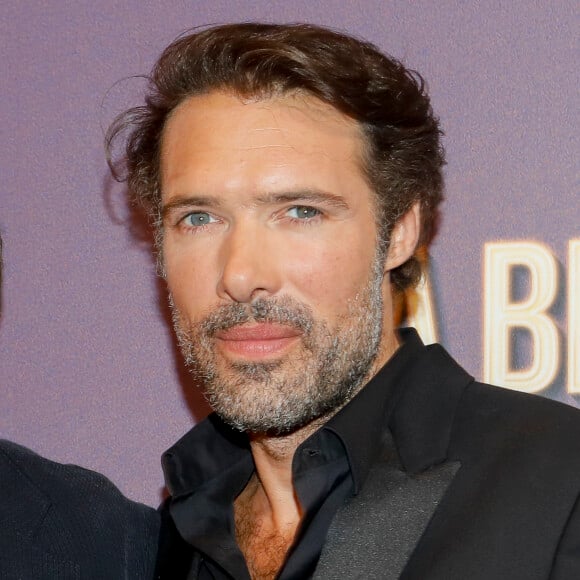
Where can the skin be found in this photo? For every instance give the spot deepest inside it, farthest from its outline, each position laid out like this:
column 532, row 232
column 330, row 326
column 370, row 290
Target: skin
column 274, row 204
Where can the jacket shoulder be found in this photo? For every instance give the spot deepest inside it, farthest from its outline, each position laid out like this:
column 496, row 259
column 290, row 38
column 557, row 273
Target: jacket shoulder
column 73, row 514
column 504, row 420
column 65, row 483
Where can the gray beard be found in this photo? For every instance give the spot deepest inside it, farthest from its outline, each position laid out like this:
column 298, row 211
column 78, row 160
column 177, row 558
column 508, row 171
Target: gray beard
column 279, row 397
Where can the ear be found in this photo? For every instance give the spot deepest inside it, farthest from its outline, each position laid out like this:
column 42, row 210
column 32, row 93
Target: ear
column 404, row 238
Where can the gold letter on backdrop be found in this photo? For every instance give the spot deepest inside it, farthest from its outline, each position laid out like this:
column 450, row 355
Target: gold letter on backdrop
column 420, row 310
column 574, row 317
column 502, row 315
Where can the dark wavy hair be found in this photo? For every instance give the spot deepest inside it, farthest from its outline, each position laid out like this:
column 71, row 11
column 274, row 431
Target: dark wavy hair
column 403, row 157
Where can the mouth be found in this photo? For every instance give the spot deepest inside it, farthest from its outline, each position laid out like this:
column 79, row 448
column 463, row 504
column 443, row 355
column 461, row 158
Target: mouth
column 258, row 341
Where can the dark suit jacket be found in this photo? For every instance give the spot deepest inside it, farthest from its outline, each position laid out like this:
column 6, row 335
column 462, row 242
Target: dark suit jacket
column 63, row 522
column 476, row 483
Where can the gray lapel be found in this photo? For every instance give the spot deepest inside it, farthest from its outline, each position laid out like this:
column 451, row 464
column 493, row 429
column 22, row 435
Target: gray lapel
column 374, row 534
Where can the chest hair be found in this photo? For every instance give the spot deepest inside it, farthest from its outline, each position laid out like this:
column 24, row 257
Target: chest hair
column 263, row 547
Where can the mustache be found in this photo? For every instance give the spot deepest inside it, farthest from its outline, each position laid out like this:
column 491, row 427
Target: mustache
column 284, row 311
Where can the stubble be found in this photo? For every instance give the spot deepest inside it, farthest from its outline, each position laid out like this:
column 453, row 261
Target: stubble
column 318, row 377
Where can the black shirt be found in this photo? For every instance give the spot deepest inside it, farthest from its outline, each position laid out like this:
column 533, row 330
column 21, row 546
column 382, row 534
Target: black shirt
column 209, row 467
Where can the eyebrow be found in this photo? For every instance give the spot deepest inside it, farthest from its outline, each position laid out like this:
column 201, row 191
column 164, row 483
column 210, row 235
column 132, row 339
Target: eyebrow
column 185, row 201
column 305, row 195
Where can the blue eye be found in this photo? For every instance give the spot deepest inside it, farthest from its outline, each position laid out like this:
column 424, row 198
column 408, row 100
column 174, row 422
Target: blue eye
column 197, row 219
column 303, row 212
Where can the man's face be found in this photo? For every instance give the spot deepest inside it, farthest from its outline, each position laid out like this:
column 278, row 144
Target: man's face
column 270, row 252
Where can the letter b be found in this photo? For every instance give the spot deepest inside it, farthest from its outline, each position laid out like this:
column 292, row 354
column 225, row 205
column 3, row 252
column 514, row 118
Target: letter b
column 503, row 316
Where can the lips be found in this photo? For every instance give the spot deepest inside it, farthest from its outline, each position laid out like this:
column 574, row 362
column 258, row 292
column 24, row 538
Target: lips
column 257, row 341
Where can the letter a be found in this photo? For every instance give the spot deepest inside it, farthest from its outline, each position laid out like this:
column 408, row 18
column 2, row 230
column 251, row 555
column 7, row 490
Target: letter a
column 574, row 317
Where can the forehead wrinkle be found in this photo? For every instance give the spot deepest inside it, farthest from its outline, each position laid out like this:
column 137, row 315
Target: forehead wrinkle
column 309, row 108
column 266, row 146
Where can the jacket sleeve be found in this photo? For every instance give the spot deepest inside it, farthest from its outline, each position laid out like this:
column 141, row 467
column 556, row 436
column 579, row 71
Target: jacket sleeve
column 174, row 555
column 567, row 559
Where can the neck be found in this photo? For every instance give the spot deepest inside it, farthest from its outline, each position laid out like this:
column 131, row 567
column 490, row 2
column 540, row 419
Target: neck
column 272, row 488
column 267, row 512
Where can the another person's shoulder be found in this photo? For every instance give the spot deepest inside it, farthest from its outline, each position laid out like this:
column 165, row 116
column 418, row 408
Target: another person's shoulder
column 72, row 514
column 66, row 482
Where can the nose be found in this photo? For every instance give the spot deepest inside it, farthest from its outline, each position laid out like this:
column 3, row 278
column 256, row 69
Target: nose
column 249, row 266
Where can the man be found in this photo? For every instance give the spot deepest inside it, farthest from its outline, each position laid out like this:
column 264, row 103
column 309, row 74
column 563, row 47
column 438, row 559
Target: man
column 292, row 174
column 63, row 522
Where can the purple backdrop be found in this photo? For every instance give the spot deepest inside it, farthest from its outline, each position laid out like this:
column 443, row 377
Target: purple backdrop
column 88, row 368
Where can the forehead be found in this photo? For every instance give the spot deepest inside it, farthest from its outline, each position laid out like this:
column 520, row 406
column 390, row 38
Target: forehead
column 225, row 142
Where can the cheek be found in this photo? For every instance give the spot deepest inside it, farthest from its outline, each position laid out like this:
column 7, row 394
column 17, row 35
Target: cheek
column 328, row 277
column 189, row 282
